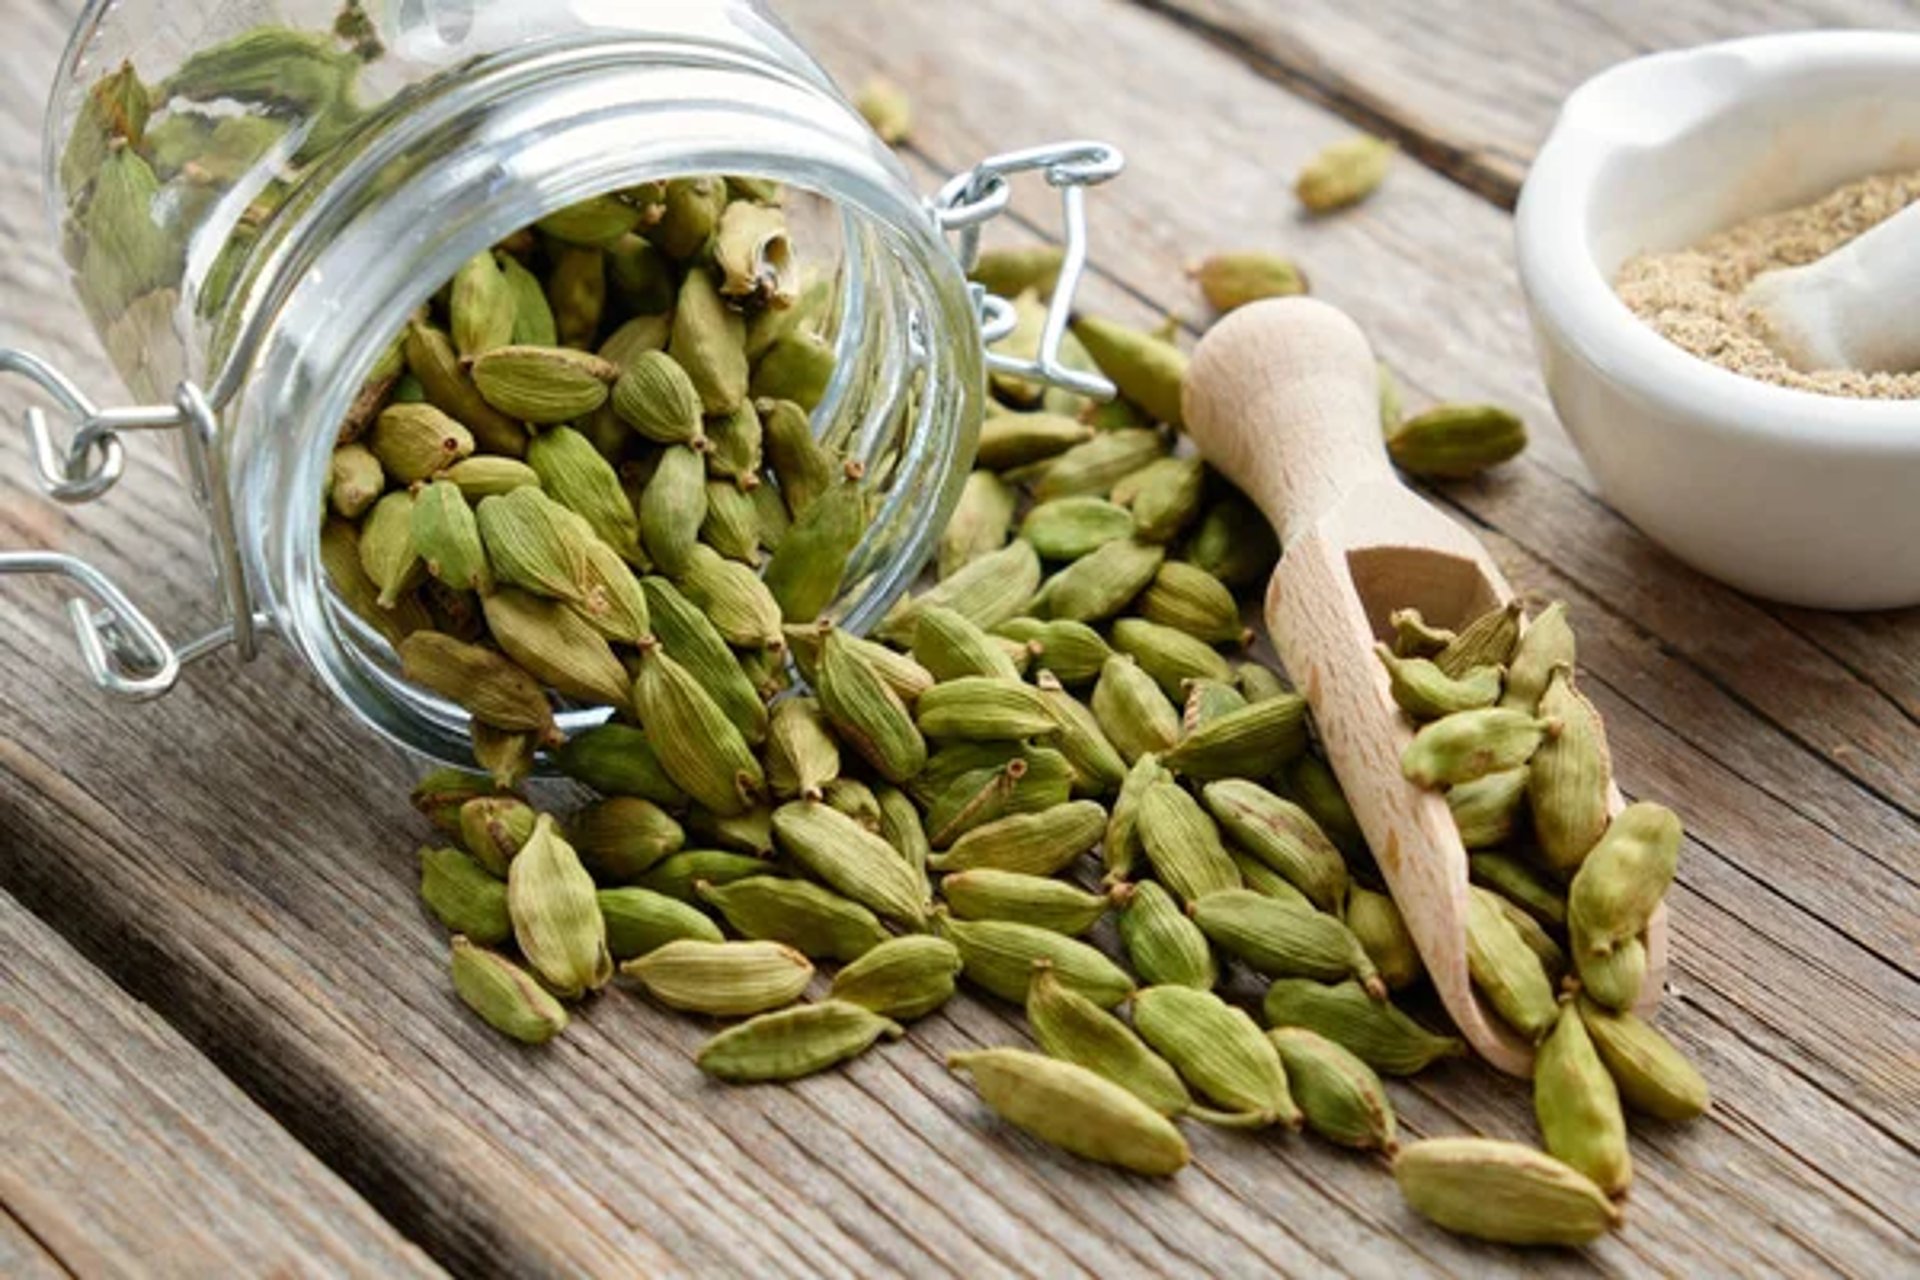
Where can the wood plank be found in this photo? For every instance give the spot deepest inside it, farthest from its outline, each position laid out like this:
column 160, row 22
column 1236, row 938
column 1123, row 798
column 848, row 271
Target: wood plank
column 258, row 892
column 130, row 1154
column 1473, row 92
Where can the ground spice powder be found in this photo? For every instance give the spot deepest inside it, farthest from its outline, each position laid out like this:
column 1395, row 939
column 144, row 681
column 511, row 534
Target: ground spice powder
column 1692, row 297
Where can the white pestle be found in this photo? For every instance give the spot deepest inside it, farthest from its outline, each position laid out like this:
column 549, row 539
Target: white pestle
column 1856, row 308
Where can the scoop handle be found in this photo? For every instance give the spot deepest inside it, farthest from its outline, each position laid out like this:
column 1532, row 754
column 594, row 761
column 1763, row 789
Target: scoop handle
column 1283, row 396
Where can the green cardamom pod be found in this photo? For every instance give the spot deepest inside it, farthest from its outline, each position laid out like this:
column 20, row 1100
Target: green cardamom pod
column 1505, row 1192
column 980, row 523
column 1077, row 1110
column 951, row 646
column 577, row 292
column 534, row 543
column 791, row 1043
column 1311, row 782
column 902, row 978
column 440, row 796
column 1170, row 656
column 805, row 574
column 1253, row 740
column 1232, row 280
column 450, row 388
column 689, row 637
column 618, row 760
column 999, row 957
column 799, row 366
column 988, row 591
column 868, row 715
column 1041, row 901
column 1208, row 701
column 1136, row 715
column 672, row 509
column 1105, row 581
column 1377, row 923
column 733, row 597
column 1578, row 1105
column 1472, row 744
column 1183, row 845
column 494, row 828
column 710, row 342
column 1652, row 1075
column 1553, row 959
column 736, row 447
column 574, row 474
column 732, row 526
column 1165, row 496
column 755, row 256
column 1072, row 528
column 1120, row 850
column 700, row 748
column 1098, row 769
column 490, row 688
column 983, row 709
column 1489, row 811
column 1234, row 543
column 1282, row 835
column 415, row 441
column 533, row 322
column 1186, row 598
column 594, row 223
column 1425, row 692
column 803, row 466
column 656, row 398
column 1219, row 1051
column 750, row 831
column 1097, row 465
column 1456, row 441
column 1016, row 439
column 1570, row 778
column 1546, row 644
column 1613, row 978
column 486, row 476
column 1625, row 878
column 1071, row 651
column 1282, row 940
column 1506, row 971
column 1487, row 641
column 505, row 995
column 1162, row 943
column 1413, row 637
column 1520, row 884
column 1034, row 844
column 1341, row 1097
column 1149, row 371
column 355, row 481
column 544, row 385
column 802, row 753
column 622, row 837
column 482, row 307
column 1376, row 1032
column 558, row 647
column 447, row 538
column 556, row 917
column 1343, row 174
column 465, row 896
column 898, row 671
column 816, row 922
column 679, row 876
column 640, row 921
column 691, row 209
column 851, row 859
column 722, row 979
column 1071, row 1028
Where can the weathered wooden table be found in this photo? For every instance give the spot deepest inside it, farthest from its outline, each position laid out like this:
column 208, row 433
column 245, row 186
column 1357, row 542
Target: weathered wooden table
column 227, row 1045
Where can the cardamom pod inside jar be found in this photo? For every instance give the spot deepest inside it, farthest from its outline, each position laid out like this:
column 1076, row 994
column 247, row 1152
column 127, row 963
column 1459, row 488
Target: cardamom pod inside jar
column 516, row 339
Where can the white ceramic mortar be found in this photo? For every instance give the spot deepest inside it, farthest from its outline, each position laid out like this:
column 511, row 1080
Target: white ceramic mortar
column 1799, row 497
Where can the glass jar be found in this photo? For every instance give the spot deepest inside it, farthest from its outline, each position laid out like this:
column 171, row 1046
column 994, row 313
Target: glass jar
column 347, row 161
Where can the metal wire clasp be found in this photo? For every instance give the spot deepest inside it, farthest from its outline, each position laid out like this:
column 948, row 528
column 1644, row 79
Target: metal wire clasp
column 124, row 651
column 983, row 193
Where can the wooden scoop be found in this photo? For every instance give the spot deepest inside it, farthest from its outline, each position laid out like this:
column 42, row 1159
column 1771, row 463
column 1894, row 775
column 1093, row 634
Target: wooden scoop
column 1283, row 398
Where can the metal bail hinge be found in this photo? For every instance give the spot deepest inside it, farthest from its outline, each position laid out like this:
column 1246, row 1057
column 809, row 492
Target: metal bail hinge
column 978, row 196
column 124, row 651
